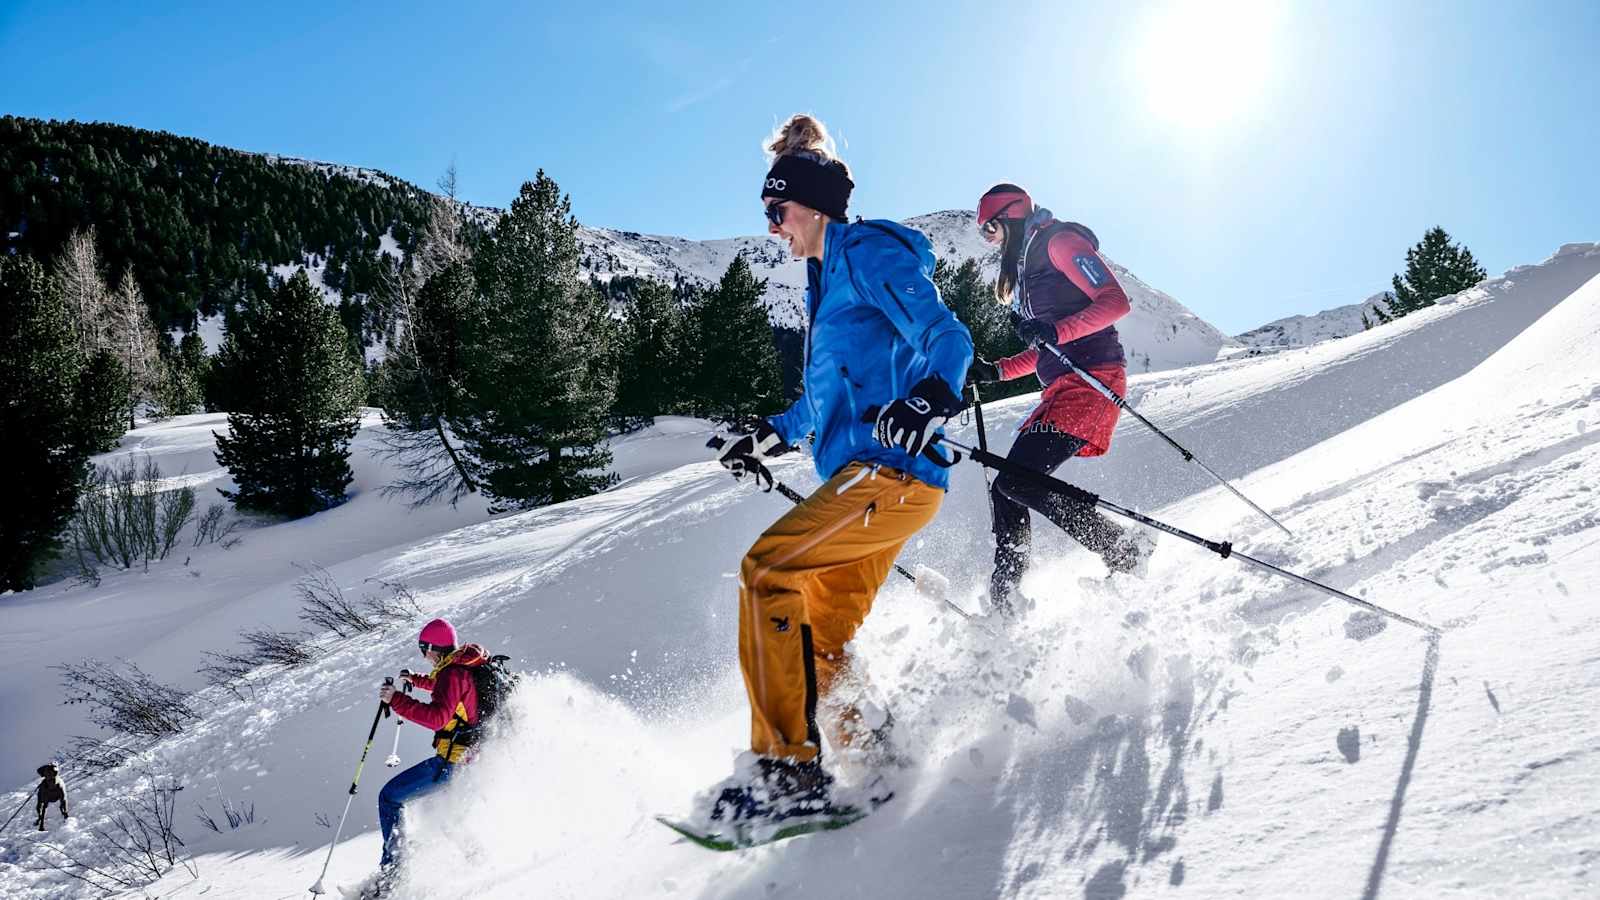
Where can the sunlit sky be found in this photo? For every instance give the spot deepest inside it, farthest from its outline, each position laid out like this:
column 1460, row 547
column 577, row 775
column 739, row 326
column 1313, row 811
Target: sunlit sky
column 1252, row 159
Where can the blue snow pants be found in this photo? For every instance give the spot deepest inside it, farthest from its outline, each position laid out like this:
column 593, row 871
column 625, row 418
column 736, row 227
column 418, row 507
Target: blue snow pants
column 421, row 779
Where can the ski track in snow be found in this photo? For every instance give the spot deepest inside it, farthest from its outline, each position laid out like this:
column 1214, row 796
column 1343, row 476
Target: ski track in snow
column 1209, row 731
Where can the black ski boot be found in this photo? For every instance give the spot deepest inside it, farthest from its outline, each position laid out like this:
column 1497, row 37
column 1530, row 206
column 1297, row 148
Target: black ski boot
column 779, row 789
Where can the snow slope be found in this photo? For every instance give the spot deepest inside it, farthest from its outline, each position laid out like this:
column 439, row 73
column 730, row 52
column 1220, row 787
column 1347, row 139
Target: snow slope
column 1207, row 732
column 1303, row 331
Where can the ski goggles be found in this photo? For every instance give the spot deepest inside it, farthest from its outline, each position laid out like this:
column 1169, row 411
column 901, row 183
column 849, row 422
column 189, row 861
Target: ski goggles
column 991, row 226
column 775, row 211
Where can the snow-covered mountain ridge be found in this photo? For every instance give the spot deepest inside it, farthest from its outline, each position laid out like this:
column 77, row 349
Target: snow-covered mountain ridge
column 1160, row 333
column 1303, row 331
column 1340, row 321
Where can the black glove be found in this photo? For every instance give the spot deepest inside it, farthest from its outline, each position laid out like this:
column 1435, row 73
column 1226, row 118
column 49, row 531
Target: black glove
column 909, row 423
column 1037, row 331
column 741, row 454
column 982, row 371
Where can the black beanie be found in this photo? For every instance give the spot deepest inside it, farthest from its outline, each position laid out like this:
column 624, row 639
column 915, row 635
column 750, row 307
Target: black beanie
column 823, row 186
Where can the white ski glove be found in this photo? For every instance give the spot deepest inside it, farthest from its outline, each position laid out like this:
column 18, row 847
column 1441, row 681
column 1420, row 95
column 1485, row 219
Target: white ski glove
column 741, row 454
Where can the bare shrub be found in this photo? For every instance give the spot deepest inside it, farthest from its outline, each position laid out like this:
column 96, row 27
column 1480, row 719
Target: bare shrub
column 396, row 607
column 235, row 816
column 216, row 527
column 124, row 518
column 238, row 672
column 176, row 509
column 324, row 604
column 125, row 699
column 91, row 755
column 283, row 648
column 230, row 671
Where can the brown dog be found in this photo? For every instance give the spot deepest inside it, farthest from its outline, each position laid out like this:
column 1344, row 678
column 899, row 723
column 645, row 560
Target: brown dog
column 51, row 790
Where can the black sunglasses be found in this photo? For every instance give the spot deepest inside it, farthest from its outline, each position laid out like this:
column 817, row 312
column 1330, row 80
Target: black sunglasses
column 775, row 211
column 424, row 646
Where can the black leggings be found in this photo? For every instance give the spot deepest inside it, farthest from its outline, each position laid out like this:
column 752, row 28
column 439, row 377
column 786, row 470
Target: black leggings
column 1011, row 498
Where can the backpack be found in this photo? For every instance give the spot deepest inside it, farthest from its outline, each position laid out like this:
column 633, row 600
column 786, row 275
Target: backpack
column 493, row 683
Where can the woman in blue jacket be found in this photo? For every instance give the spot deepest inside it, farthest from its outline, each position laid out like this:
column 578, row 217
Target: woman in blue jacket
column 877, row 336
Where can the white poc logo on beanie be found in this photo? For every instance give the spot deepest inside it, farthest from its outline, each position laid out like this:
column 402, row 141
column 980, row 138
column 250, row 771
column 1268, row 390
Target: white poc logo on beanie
column 777, row 184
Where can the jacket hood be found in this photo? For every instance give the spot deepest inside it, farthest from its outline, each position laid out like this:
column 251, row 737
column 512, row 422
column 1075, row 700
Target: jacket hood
column 864, row 233
column 1043, row 218
column 468, row 655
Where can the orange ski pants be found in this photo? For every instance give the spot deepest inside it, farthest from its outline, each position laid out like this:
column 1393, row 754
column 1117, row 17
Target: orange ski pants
column 804, row 589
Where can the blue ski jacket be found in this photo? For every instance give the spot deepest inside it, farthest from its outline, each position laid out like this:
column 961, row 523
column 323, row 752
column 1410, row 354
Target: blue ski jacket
column 875, row 326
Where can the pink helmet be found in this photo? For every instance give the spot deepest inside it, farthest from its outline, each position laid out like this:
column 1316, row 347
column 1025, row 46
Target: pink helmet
column 438, row 633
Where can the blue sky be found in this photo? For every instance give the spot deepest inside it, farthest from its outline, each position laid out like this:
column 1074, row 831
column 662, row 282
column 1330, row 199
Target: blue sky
column 1262, row 161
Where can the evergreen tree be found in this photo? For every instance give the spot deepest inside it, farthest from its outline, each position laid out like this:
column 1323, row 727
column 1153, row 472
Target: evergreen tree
column 651, row 356
column 100, row 399
column 1434, row 268
column 295, row 392
column 420, row 384
column 963, row 289
column 737, row 374
column 972, row 299
column 39, row 368
column 184, row 370
column 539, row 383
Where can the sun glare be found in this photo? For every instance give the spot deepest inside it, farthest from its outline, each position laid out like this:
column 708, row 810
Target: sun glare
column 1207, row 64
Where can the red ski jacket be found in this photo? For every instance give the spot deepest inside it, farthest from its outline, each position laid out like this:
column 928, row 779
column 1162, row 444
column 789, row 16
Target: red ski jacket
column 454, row 699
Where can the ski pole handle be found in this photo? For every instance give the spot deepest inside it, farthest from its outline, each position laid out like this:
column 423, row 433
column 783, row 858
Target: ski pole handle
column 384, row 707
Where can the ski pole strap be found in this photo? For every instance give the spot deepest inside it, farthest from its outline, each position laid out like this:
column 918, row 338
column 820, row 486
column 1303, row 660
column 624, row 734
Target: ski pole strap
column 977, row 416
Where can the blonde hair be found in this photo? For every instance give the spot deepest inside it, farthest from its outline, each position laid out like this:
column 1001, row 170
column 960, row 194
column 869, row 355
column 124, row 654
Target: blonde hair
column 804, row 135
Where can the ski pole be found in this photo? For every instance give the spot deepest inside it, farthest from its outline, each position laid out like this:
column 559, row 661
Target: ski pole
column 1221, row 548
column 983, row 439
column 383, row 710
column 717, row 443
column 1123, row 404
column 394, row 754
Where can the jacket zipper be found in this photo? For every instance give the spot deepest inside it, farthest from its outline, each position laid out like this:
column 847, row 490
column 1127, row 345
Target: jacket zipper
column 903, row 311
column 1022, row 271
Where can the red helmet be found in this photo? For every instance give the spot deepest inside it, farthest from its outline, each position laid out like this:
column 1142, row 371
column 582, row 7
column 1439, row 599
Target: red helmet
column 1004, row 201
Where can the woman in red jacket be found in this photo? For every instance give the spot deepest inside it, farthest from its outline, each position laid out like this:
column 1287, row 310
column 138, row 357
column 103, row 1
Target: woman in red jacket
column 1063, row 294
column 451, row 713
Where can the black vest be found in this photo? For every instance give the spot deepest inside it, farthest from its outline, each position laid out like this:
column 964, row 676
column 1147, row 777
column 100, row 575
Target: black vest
column 1044, row 292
